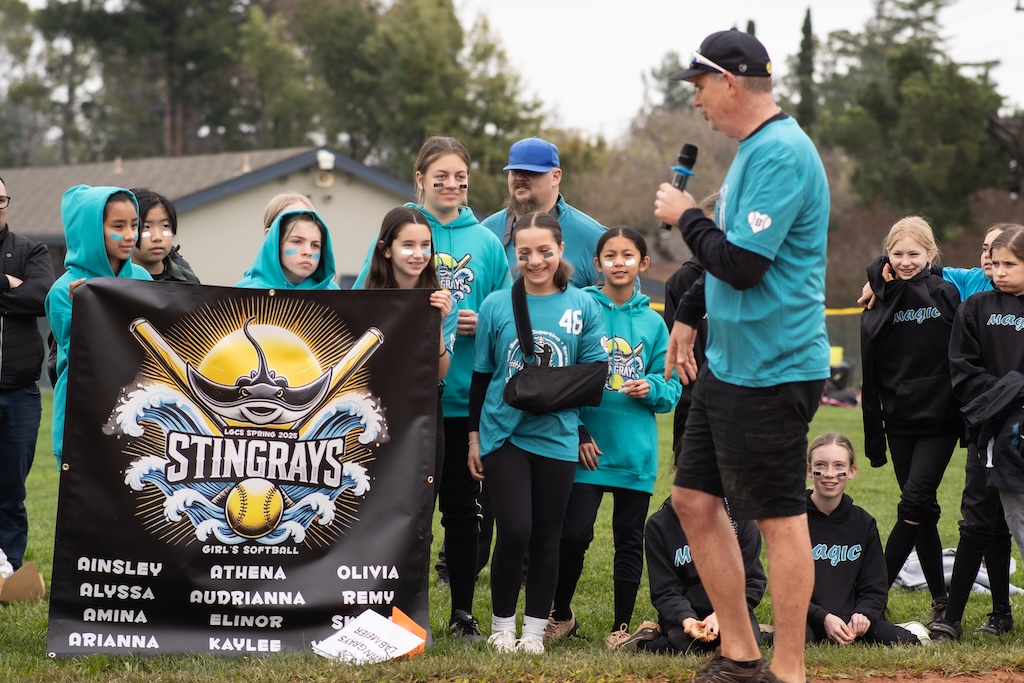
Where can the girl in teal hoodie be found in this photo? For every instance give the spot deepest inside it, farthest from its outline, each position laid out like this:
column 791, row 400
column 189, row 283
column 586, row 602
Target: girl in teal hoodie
column 471, row 264
column 619, row 439
column 296, row 254
column 101, row 226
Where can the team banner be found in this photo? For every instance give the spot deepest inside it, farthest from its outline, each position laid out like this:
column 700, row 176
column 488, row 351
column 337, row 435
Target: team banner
column 244, row 471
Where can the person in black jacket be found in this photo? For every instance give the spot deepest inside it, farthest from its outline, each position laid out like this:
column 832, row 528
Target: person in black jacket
column 26, row 274
column 156, row 251
column 677, row 284
column 986, row 357
column 851, row 586
column 686, row 619
column 907, row 395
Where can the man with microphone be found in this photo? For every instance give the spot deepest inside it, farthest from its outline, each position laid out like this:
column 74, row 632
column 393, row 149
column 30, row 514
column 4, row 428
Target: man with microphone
column 767, row 353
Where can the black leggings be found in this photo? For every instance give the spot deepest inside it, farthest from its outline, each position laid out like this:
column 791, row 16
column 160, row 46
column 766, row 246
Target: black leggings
column 983, row 533
column 919, row 463
column 529, row 494
column 628, row 517
column 460, row 513
column 879, row 633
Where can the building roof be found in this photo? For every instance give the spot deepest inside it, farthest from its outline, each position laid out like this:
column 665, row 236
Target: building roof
column 189, row 181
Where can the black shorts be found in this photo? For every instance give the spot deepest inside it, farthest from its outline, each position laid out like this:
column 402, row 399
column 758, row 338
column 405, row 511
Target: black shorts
column 749, row 445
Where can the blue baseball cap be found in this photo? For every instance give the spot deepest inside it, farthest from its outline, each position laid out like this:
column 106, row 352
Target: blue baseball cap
column 532, row 154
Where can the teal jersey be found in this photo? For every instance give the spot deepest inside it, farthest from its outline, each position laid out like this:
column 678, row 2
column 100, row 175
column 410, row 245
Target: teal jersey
column 967, row 281
column 471, row 265
column 580, row 234
column 81, row 212
column 267, row 273
column 625, row 428
column 567, row 328
column 774, row 202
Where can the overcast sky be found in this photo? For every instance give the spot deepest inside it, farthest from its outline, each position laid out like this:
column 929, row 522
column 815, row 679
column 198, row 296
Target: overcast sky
column 585, row 58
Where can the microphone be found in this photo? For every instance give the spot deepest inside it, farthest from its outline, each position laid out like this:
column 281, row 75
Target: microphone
column 683, row 170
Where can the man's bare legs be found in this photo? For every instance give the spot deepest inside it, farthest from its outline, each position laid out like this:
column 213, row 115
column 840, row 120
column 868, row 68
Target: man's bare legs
column 716, row 553
column 791, row 581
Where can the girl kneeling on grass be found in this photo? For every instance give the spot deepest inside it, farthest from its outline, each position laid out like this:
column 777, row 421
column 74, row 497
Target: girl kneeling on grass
column 851, row 584
column 621, row 458
column 529, row 460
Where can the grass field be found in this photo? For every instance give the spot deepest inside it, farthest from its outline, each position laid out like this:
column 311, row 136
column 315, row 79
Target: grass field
column 23, row 626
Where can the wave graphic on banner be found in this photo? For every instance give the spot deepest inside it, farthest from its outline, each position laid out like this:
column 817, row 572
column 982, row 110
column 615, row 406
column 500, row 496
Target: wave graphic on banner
column 203, row 503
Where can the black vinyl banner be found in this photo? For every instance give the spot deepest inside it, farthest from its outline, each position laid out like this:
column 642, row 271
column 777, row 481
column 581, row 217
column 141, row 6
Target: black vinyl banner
column 243, row 470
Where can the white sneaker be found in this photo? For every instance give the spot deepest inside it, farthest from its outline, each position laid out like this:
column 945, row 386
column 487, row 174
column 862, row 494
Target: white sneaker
column 531, row 645
column 504, row 641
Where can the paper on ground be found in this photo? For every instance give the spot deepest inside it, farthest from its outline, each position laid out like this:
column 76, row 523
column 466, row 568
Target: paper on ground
column 369, row 637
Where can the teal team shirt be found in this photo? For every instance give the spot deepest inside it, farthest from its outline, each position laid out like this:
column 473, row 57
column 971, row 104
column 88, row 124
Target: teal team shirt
column 774, row 202
column 580, row 234
column 567, row 327
column 967, row 281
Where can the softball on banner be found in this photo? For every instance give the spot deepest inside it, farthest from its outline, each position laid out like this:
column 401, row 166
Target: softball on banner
column 254, row 508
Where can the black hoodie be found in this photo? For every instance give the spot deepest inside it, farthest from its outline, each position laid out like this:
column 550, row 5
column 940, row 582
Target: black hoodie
column 676, row 590
column 904, row 354
column 849, row 566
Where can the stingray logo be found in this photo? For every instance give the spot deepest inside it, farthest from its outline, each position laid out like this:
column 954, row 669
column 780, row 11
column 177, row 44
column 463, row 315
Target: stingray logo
column 625, row 362
column 548, row 351
column 455, row 276
column 250, row 421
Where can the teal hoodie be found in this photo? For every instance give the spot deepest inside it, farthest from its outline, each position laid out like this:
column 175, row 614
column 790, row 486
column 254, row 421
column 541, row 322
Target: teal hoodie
column 267, row 273
column 470, row 264
column 81, row 212
column 625, row 428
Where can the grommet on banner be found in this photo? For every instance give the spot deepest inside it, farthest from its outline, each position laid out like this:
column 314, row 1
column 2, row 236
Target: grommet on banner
column 65, row 467
column 430, row 479
column 271, row 292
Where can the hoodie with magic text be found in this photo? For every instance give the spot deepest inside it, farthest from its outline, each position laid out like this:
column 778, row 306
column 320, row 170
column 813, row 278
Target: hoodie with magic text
column 81, row 212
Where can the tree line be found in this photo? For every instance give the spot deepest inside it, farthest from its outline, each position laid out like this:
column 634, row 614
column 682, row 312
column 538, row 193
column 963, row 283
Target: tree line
column 87, row 80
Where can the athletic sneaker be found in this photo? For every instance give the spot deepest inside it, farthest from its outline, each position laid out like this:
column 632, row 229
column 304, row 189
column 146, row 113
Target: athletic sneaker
column 647, row 630
column 615, row 639
column 996, row 625
column 722, row 670
column 503, row 641
column 531, row 645
column 558, row 629
column 919, row 630
column 942, row 631
column 465, row 626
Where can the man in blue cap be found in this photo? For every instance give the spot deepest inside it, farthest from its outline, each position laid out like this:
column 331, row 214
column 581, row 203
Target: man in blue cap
column 534, row 175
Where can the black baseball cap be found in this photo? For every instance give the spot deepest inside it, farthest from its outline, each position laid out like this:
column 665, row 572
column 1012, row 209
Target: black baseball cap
column 734, row 51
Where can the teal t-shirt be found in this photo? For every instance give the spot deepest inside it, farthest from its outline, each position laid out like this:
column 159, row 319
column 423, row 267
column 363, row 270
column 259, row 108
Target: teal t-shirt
column 774, row 202
column 567, row 328
column 967, row 281
column 580, row 234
